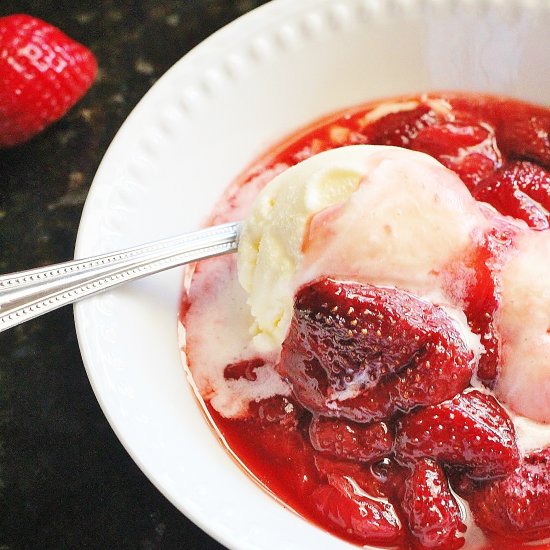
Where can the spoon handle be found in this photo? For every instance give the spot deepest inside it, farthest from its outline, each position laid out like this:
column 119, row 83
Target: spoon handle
column 28, row 294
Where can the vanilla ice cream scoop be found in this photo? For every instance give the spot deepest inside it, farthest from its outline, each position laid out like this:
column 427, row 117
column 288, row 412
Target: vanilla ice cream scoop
column 381, row 215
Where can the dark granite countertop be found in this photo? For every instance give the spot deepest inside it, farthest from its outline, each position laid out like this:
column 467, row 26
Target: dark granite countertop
column 65, row 480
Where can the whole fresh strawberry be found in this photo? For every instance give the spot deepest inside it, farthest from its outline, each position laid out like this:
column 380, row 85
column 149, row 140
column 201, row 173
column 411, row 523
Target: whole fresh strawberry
column 43, row 73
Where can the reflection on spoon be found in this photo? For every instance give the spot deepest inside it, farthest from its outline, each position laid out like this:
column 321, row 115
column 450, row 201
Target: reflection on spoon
column 28, row 294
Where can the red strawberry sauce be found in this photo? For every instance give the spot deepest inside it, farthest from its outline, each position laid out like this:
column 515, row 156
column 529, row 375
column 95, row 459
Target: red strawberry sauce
column 395, row 466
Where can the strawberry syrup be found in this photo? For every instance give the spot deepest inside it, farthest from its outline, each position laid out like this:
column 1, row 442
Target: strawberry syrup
column 501, row 150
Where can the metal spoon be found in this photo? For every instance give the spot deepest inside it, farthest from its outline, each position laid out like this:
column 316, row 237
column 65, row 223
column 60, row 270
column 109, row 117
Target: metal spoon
column 28, row 294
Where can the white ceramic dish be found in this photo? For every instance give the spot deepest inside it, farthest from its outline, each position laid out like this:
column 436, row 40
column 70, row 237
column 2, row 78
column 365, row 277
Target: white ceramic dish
column 245, row 87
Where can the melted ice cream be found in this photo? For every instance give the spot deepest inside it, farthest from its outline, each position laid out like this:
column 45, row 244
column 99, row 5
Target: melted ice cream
column 380, row 215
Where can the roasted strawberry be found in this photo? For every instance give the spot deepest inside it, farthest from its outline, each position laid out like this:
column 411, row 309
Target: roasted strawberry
column 481, row 294
column 272, row 435
column 474, row 168
column 400, row 127
column 446, row 139
column 361, row 474
column 432, row 511
column 471, row 431
column 276, row 410
column 352, row 512
column 520, row 190
column 466, row 147
column 524, row 132
column 363, row 353
column 44, row 73
column 349, row 440
column 518, row 506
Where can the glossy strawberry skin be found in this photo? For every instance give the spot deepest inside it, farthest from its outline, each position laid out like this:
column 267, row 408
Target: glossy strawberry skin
column 467, row 147
column 483, row 294
column 431, row 509
column 524, row 133
column 401, row 128
column 362, row 474
column 471, row 431
column 276, row 410
column 520, row 190
column 518, row 506
column 44, row 73
column 384, row 348
column 348, row 440
column 350, row 510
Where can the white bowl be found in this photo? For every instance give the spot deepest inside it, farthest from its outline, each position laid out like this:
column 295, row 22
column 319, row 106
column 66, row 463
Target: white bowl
column 247, row 86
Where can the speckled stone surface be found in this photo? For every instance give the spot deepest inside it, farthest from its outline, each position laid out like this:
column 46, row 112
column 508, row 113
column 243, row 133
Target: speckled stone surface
column 65, row 480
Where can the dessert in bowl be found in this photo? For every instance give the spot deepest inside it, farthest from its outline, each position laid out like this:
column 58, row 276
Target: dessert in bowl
column 147, row 187
column 377, row 354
